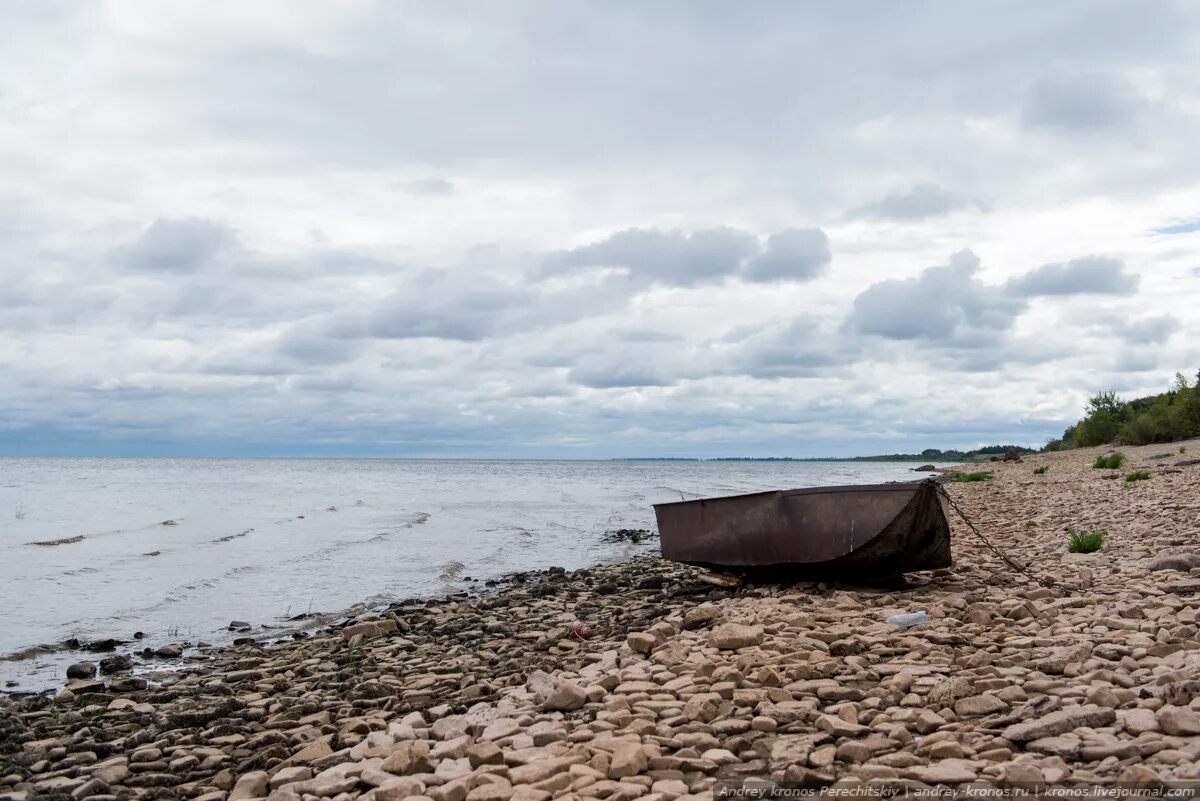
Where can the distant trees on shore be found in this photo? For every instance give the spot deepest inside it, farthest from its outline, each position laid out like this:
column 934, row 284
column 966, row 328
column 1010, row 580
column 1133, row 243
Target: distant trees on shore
column 1166, row 417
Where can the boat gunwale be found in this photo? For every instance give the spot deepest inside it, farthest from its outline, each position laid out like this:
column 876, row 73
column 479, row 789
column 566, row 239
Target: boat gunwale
column 892, row 486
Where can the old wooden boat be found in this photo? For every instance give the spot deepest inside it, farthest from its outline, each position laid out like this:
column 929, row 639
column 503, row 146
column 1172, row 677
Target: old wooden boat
column 849, row 532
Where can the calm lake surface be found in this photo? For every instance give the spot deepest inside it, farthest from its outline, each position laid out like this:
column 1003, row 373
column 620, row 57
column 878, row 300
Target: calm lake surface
column 177, row 548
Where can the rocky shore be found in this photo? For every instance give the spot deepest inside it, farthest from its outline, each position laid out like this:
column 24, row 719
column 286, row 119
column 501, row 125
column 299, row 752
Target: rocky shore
column 672, row 685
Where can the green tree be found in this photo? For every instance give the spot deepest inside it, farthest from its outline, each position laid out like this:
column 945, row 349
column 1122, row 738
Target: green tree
column 1103, row 418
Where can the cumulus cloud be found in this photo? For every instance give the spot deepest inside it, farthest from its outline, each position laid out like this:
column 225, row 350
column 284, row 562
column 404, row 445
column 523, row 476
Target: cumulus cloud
column 941, row 303
column 175, row 245
column 921, row 202
column 334, row 220
column 1089, row 275
column 671, row 257
column 676, row 258
column 794, row 254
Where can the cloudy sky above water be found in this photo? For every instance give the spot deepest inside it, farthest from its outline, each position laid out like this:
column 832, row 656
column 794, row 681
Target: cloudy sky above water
column 589, row 229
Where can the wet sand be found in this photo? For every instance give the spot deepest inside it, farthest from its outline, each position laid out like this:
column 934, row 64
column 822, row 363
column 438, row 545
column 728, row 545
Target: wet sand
column 681, row 685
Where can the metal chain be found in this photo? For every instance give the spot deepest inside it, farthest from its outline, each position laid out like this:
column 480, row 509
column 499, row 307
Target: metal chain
column 1045, row 582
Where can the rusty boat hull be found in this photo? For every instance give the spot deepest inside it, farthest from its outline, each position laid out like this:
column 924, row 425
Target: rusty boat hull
column 853, row 531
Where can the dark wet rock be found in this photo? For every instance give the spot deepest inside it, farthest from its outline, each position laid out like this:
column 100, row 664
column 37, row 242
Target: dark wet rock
column 925, row 468
column 115, row 664
column 81, row 670
column 239, row 625
column 633, row 535
column 172, row 651
column 1187, row 462
column 100, row 646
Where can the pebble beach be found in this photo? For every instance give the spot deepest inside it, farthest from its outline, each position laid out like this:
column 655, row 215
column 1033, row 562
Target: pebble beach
column 675, row 689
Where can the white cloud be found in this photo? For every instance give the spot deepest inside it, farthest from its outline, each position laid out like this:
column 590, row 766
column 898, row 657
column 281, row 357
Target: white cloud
column 289, row 224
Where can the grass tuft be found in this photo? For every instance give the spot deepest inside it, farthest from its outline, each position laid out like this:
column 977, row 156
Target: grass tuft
column 1043, row 470
column 1138, row 475
column 1110, row 462
column 980, row 475
column 1086, row 541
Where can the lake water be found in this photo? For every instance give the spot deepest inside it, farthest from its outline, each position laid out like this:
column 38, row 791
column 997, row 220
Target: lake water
column 177, row 548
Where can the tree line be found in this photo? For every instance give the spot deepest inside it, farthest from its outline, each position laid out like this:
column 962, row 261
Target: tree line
column 1166, row 417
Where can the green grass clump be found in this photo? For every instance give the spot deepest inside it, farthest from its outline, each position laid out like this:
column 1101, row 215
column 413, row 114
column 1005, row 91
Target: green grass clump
column 1138, row 475
column 981, row 475
column 1086, row 541
column 1110, row 462
column 1043, row 470
column 1182, row 449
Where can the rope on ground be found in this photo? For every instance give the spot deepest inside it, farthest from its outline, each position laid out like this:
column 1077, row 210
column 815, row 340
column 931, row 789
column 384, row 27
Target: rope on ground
column 1008, row 560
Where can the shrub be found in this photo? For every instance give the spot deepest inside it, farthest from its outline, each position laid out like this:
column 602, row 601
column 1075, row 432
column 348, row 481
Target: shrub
column 1138, row 475
column 1110, row 462
column 1041, row 471
column 981, row 475
column 1086, row 541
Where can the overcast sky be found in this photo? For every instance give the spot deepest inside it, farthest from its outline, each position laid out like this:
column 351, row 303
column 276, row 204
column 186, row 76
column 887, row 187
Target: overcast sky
column 590, row 229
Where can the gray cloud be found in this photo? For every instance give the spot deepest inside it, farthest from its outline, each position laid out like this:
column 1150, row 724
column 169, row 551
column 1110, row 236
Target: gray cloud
column 921, row 202
column 616, row 372
column 671, row 257
column 431, row 187
column 312, row 345
column 676, row 258
column 794, row 254
column 1153, row 330
column 407, row 199
column 175, row 245
column 792, row 349
column 1079, row 102
column 1088, row 275
column 941, row 303
column 443, row 305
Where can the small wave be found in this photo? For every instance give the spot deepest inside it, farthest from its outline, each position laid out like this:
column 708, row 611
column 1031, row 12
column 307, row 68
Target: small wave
column 81, row 571
column 229, row 537
column 418, row 519
column 451, row 571
column 63, row 541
